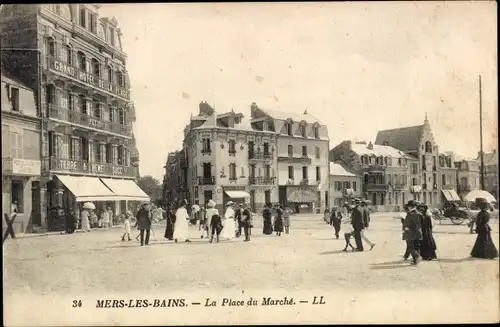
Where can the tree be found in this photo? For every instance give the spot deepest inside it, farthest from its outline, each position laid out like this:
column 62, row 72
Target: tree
column 151, row 186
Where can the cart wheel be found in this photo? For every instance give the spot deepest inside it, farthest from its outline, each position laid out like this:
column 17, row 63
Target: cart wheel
column 457, row 221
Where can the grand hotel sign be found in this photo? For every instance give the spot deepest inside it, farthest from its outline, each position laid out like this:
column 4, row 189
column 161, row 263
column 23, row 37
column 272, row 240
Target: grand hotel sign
column 85, row 77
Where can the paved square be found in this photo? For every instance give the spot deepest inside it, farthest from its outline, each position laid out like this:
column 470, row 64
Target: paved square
column 307, row 259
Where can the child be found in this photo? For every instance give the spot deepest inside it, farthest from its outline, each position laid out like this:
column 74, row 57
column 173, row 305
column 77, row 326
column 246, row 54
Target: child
column 347, row 235
column 126, row 225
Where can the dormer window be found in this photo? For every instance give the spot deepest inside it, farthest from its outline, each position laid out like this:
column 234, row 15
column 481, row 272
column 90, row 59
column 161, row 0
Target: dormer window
column 83, row 17
column 316, row 132
column 289, row 128
column 112, row 36
column 303, row 130
column 428, row 147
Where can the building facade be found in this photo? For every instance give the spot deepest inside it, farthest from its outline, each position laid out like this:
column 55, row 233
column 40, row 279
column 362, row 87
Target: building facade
column 302, row 157
column 344, row 186
column 229, row 158
column 21, row 165
column 467, row 174
column 383, row 170
column 490, row 172
column 175, row 179
column 418, row 142
column 74, row 60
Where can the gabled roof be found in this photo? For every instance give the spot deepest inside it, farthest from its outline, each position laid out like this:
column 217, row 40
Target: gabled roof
column 377, row 150
column 284, row 115
column 338, row 170
column 405, row 139
column 211, row 122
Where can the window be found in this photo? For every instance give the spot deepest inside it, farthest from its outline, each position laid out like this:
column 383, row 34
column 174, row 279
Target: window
column 290, row 172
column 354, row 186
column 267, row 171
column 266, row 148
column 110, row 74
column 121, row 116
column 76, row 148
column 206, row 145
column 207, row 170
column 64, row 99
column 96, row 152
column 16, row 145
column 97, row 109
column 96, row 68
column 121, row 155
column 318, row 174
column 14, row 98
column 232, row 147
column 112, row 36
column 290, row 150
column 317, row 152
column 82, row 61
column 303, row 130
column 346, row 185
column 316, row 132
column 83, row 18
column 67, row 55
column 304, row 172
column 289, row 128
column 63, row 146
column 121, row 82
column 251, row 173
column 304, row 150
column 108, row 153
column 93, row 24
column 338, row 186
column 428, row 147
column 414, row 168
column 114, row 153
column 443, row 180
column 51, row 45
column 414, row 181
column 232, row 171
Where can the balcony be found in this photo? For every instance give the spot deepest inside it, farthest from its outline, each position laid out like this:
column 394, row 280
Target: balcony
column 55, row 164
column 232, row 152
column 206, row 180
column 261, row 180
column 74, row 73
column 398, row 187
column 304, row 181
column 259, row 156
column 292, row 160
column 74, row 117
column 375, row 187
column 206, row 151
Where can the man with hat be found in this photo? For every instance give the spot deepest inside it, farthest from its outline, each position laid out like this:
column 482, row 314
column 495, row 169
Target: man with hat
column 237, row 216
column 246, row 221
column 143, row 217
column 366, row 221
column 357, row 224
column 412, row 231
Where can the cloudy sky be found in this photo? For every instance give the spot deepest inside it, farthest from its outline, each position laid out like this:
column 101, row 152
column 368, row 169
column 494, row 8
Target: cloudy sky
column 358, row 67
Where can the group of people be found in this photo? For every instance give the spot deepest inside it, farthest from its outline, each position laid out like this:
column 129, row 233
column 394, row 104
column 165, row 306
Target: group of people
column 281, row 220
column 89, row 219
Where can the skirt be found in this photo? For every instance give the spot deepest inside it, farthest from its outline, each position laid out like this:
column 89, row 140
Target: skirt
column 228, row 232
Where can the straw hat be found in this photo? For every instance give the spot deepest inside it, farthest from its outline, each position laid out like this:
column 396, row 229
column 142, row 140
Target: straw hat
column 211, row 204
column 229, row 203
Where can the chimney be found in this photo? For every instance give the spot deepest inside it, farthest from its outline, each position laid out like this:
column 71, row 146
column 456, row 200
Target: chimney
column 305, row 112
column 370, row 146
column 253, row 109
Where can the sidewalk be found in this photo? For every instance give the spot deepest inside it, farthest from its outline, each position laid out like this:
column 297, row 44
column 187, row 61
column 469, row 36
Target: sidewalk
column 30, row 235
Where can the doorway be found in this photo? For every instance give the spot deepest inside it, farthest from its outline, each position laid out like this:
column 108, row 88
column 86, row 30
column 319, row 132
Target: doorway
column 267, row 196
column 16, row 196
column 207, row 196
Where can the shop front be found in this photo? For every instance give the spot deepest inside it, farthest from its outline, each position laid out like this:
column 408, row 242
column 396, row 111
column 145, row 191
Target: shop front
column 302, row 199
column 237, row 194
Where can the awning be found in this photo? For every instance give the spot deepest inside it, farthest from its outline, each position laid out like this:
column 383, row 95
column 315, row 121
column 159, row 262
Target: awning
column 237, row 194
column 450, row 195
column 126, row 189
column 87, row 188
column 416, row 188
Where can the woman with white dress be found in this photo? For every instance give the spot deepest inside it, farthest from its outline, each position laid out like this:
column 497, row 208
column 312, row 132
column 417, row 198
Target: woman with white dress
column 211, row 211
column 85, row 220
column 181, row 227
column 228, row 232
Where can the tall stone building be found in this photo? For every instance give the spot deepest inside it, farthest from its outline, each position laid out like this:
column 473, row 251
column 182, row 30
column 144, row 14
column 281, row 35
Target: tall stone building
column 418, row 142
column 490, row 172
column 467, row 176
column 302, row 154
column 384, row 172
column 74, row 60
column 229, row 158
column 174, row 181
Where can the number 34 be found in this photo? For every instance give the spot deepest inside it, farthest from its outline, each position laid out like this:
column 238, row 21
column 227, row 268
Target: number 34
column 77, row 304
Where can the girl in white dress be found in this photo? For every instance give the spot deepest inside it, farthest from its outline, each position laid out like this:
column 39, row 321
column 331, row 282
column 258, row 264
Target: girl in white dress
column 228, row 232
column 181, row 227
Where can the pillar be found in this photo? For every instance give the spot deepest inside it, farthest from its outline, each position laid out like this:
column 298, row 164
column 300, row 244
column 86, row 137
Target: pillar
column 43, row 204
column 102, row 148
column 114, row 154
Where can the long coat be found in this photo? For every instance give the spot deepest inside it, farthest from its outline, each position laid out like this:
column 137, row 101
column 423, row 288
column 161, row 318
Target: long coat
column 412, row 226
column 366, row 216
column 143, row 219
column 357, row 218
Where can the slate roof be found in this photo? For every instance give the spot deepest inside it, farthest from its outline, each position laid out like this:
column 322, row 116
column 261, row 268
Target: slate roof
column 338, row 170
column 378, row 150
column 405, row 139
column 284, row 115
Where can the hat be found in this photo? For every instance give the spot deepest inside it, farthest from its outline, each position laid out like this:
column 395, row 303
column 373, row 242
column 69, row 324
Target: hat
column 412, row 203
column 210, row 203
column 357, row 200
column 144, row 203
column 363, row 201
column 481, row 201
column 229, row 203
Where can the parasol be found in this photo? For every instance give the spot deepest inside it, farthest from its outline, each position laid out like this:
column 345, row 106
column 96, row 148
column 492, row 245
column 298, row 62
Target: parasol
column 195, row 207
column 473, row 195
column 89, row 205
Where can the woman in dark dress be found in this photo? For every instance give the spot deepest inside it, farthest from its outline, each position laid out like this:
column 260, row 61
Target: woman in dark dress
column 484, row 247
column 278, row 221
column 427, row 244
column 335, row 220
column 169, row 229
column 268, row 225
column 70, row 222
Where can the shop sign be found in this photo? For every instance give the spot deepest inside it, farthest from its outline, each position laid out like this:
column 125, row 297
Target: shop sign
column 70, row 165
column 26, row 167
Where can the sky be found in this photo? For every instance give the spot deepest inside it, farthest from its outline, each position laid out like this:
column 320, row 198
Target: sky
column 358, row 67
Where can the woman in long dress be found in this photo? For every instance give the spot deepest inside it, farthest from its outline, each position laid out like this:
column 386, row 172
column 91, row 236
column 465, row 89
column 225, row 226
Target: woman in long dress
column 484, row 247
column 181, row 227
column 228, row 232
column 170, row 220
column 278, row 221
column 85, row 220
column 427, row 244
column 267, row 216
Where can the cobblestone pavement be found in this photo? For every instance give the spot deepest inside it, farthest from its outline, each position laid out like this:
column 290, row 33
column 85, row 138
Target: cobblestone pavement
column 307, row 259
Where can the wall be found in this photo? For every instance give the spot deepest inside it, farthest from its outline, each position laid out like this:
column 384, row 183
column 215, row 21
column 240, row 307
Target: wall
column 335, row 196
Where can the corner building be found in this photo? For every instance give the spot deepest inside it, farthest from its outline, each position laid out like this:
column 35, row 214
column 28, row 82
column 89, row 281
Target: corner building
column 302, row 155
column 229, row 158
column 74, row 60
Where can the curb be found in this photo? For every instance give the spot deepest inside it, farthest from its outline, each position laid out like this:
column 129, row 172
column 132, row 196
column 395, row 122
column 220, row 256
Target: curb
column 30, row 235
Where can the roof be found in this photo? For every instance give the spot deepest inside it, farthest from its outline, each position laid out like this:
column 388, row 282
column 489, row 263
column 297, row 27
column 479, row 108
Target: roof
column 284, row 115
column 404, row 139
column 490, row 158
column 338, row 170
column 14, row 82
column 378, row 150
column 244, row 125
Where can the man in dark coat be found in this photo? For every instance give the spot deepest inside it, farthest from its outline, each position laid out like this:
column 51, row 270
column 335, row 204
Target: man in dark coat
column 237, row 216
column 357, row 224
column 143, row 217
column 366, row 222
column 412, row 231
column 246, row 221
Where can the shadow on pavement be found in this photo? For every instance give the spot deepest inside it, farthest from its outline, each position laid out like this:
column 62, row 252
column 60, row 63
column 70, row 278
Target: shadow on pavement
column 336, row 252
column 391, row 266
column 456, row 260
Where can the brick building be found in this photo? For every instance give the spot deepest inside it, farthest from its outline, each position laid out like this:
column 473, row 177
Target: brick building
column 74, row 60
column 21, row 166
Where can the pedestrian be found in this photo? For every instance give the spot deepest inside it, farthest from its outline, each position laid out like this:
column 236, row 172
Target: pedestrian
column 239, row 223
column 215, row 226
column 358, row 224
column 143, row 217
column 278, row 220
column 246, row 221
column 286, row 220
column 228, row 223
column 267, row 217
column 86, row 213
column 349, row 233
column 366, row 221
column 111, row 216
column 70, row 222
column 126, row 226
column 209, row 213
column 181, row 227
column 105, row 218
column 483, row 247
column 326, row 215
column 427, row 246
column 170, row 221
column 335, row 221
column 413, row 231
column 203, row 219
